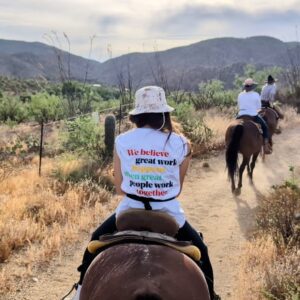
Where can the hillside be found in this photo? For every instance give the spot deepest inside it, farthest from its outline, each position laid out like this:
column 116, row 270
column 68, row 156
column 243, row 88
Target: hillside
column 186, row 66
column 37, row 60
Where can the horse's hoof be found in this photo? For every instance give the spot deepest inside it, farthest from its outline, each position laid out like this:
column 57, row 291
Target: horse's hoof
column 237, row 192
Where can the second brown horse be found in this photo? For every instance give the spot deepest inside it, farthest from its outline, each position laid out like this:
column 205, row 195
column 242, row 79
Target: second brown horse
column 242, row 136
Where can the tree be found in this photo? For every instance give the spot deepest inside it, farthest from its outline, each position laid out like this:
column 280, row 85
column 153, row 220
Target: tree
column 292, row 73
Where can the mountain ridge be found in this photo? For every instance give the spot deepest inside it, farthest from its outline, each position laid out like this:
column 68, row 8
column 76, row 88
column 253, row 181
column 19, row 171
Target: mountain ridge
column 196, row 62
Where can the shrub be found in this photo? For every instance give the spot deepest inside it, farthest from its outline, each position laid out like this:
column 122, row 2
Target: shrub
column 212, row 94
column 85, row 137
column 276, row 214
column 11, row 109
column 45, row 108
column 281, row 279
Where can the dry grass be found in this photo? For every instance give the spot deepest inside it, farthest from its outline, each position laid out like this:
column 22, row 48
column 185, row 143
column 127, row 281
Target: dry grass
column 266, row 273
column 291, row 118
column 40, row 216
column 257, row 256
column 270, row 266
column 218, row 122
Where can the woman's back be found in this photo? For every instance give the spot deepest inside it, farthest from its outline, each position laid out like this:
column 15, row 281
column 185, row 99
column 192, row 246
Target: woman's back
column 150, row 161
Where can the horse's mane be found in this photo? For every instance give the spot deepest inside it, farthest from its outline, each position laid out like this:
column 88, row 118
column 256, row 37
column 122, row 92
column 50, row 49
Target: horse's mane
column 147, row 296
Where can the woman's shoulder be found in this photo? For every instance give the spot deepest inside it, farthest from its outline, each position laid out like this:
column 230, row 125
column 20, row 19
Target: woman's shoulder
column 126, row 134
column 177, row 137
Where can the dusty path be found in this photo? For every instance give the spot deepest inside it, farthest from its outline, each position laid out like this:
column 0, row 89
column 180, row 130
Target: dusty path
column 225, row 220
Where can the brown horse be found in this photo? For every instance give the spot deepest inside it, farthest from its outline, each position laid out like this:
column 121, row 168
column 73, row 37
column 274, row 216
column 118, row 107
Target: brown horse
column 143, row 272
column 139, row 271
column 242, row 136
column 271, row 118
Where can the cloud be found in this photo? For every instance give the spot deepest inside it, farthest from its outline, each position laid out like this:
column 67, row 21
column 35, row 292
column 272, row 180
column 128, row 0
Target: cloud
column 212, row 19
column 135, row 25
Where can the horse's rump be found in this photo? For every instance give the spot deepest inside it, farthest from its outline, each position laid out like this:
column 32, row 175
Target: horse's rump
column 271, row 118
column 251, row 139
column 135, row 271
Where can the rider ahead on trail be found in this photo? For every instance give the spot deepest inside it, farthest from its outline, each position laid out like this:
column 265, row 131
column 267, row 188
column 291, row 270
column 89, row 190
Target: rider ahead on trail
column 249, row 104
column 150, row 163
column 268, row 92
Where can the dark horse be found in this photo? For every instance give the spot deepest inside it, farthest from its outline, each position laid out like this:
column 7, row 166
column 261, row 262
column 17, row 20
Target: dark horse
column 134, row 271
column 242, row 136
column 271, row 118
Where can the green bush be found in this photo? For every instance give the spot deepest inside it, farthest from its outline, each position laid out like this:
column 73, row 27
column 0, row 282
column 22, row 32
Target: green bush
column 85, row 137
column 212, row 94
column 44, row 108
column 11, row 109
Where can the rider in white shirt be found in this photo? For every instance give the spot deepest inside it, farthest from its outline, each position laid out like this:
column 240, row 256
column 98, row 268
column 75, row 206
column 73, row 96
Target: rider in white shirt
column 249, row 104
column 268, row 92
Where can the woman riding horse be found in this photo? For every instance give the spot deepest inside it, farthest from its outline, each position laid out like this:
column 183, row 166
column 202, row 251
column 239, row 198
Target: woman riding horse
column 150, row 163
column 243, row 136
column 249, row 104
column 271, row 112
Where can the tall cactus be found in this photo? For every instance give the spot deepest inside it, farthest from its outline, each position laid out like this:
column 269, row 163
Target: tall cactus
column 110, row 129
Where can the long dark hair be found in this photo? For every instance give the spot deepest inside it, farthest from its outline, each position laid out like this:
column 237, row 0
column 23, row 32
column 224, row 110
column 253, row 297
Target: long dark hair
column 161, row 121
column 156, row 121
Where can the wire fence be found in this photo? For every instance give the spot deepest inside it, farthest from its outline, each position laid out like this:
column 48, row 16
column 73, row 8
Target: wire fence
column 42, row 137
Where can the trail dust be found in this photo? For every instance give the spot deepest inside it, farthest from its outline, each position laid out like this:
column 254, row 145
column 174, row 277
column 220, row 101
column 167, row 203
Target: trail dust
column 225, row 220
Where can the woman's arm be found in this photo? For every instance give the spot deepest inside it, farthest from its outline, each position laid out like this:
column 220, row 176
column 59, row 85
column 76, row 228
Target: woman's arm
column 118, row 174
column 184, row 166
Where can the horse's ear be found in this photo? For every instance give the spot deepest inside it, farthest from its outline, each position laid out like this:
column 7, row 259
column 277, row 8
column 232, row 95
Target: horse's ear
column 145, row 220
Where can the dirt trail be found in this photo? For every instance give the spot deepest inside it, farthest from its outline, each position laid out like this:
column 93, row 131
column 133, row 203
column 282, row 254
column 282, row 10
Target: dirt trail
column 225, row 220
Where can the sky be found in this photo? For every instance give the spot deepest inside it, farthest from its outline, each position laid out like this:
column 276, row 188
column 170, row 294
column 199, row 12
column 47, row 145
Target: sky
column 116, row 27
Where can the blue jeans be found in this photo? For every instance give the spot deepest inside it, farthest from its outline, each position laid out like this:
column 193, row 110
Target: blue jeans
column 258, row 119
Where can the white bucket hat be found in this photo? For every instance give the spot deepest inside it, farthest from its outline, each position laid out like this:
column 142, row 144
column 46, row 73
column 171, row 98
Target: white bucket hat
column 249, row 81
column 150, row 99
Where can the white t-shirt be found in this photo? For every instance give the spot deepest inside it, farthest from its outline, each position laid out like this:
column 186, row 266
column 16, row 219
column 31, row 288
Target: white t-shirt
column 268, row 92
column 150, row 168
column 249, row 103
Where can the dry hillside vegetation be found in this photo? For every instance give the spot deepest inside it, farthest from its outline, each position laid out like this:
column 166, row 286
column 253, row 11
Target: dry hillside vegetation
column 41, row 215
column 270, row 263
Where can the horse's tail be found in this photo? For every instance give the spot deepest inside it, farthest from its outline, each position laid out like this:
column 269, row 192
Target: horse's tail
column 233, row 150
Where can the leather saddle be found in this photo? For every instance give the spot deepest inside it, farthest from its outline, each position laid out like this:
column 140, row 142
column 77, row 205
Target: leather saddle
column 249, row 119
column 145, row 227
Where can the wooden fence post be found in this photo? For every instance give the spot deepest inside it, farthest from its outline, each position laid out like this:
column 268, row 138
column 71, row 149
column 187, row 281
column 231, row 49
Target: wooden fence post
column 41, row 147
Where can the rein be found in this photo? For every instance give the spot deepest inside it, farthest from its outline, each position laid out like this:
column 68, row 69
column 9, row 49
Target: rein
column 73, row 287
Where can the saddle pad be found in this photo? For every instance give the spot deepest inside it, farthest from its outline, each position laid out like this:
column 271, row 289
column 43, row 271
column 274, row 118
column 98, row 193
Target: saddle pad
column 147, row 238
